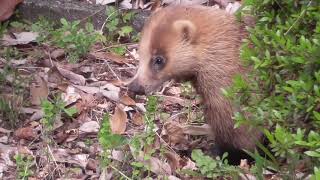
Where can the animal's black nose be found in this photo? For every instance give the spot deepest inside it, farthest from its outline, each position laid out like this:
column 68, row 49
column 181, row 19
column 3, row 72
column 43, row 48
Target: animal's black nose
column 136, row 87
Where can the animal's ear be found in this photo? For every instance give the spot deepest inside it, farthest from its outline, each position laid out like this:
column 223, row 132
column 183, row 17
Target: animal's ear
column 186, row 28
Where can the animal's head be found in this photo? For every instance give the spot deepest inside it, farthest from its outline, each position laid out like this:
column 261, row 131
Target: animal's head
column 166, row 52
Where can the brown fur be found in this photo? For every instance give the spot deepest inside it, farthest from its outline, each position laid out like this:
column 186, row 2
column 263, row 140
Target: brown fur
column 200, row 44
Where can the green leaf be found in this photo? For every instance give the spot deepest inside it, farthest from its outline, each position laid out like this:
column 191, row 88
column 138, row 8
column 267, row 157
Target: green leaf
column 313, row 154
column 70, row 111
column 316, row 115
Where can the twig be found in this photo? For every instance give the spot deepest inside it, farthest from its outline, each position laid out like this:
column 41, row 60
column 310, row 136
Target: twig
column 104, row 23
column 54, row 160
column 91, row 15
column 295, row 22
column 112, row 70
column 115, row 45
column 122, row 174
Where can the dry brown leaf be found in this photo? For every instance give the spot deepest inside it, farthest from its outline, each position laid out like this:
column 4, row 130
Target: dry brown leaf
column 157, row 166
column 117, row 82
column 233, row 7
column 54, row 76
column 19, row 38
column 244, row 164
column 105, row 2
column 126, row 100
column 73, row 77
column 92, row 165
column 89, row 127
column 137, row 119
column 38, row 90
column 110, row 56
column 62, row 155
column 117, row 155
column 6, row 152
column 188, row 164
column 170, row 100
column 25, row 133
column 113, row 95
column 173, row 160
column 184, row 2
column 5, row 131
column 174, row 133
column 173, row 91
column 118, row 121
column 57, row 53
column 7, row 8
column 71, row 96
column 37, row 115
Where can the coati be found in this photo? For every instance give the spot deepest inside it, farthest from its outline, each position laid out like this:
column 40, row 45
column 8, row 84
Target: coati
column 202, row 45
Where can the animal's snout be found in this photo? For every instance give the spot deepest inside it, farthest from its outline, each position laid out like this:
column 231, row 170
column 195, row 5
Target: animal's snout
column 136, row 87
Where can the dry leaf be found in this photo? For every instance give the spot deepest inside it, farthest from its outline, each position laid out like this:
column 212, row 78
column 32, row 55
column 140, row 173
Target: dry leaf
column 5, row 131
column 117, row 155
column 62, row 155
column 126, row 100
column 158, row 167
column 37, row 115
column 20, row 38
column 184, row 2
column 141, row 107
column 175, row 134
column 73, row 77
column 173, row 91
column 38, row 90
column 25, row 133
column 233, row 7
column 7, row 8
column 173, row 160
column 54, row 76
column 92, row 165
column 110, row 56
column 137, row 119
column 105, row 174
column 189, row 164
column 113, row 95
column 105, row 2
column 6, row 152
column 70, row 96
column 118, row 121
column 126, row 4
column 89, row 127
column 173, row 178
column 244, row 164
column 57, row 53
column 170, row 100
column 111, row 87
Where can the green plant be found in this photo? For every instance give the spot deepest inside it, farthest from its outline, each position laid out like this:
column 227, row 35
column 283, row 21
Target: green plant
column 214, row 168
column 52, row 111
column 23, row 163
column 3, row 28
column 44, row 28
column 76, row 41
column 118, row 29
column 144, row 141
column 281, row 94
column 11, row 99
column 73, row 39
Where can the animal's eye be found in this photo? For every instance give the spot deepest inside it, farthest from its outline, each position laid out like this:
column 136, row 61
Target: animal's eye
column 158, row 62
